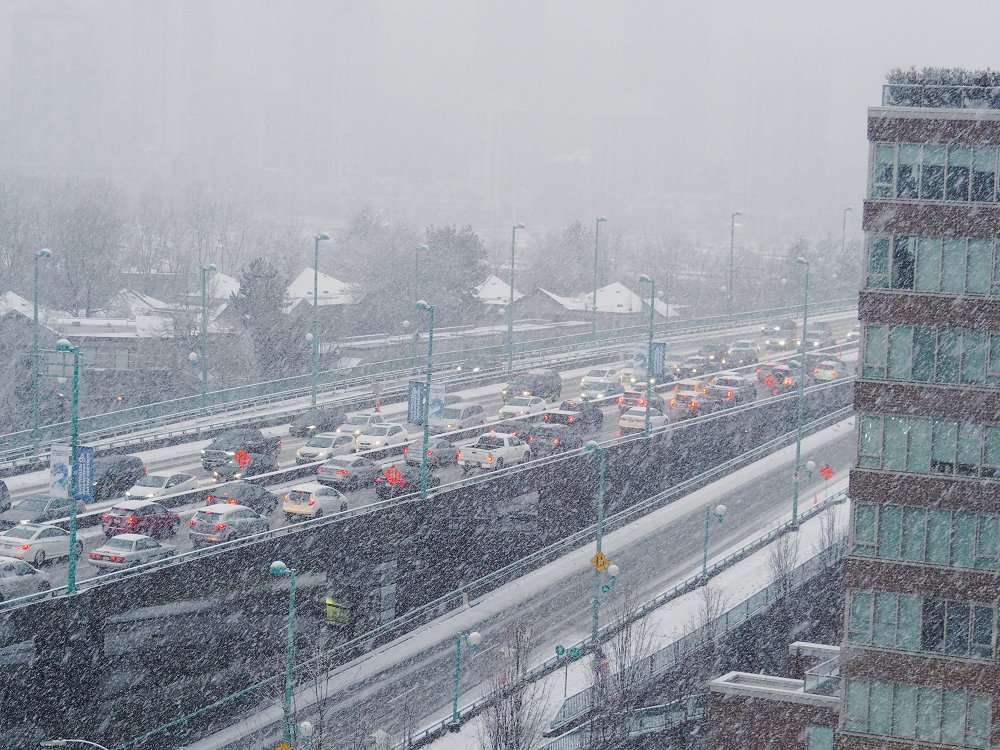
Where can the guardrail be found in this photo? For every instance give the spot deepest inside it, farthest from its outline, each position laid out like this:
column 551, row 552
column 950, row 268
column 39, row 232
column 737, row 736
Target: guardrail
column 644, row 720
column 19, row 444
column 578, row 705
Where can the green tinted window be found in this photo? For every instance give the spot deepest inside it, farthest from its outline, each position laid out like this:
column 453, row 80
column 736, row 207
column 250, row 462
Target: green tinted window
column 878, row 263
column 880, row 707
column 904, row 715
column 859, row 626
column 918, row 455
column 970, row 440
column 884, row 620
column 928, row 714
column 856, row 706
column 945, row 438
column 953, row 718
column 864, row 529
column 953, row 266
column 963, row 536
column 978, row 281
column 900, row 347
column 888, row 531
column 908, row 629
column 979, row 721
column 914, row 528
column 894, row 444
column 819, row 738
column 874, row 361
column 938, row 537
column 973, row 357
column 923, row 353
column 928, row 266
column 870, row 435
column 986, row 542
column 949, row 352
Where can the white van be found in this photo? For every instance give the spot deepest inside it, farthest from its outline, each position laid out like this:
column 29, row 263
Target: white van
column 457, row 417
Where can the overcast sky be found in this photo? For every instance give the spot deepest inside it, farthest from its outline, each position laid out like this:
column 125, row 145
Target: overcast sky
column 663, row 115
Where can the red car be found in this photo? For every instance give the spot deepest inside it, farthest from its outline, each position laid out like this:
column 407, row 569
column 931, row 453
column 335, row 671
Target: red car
column 140, row 517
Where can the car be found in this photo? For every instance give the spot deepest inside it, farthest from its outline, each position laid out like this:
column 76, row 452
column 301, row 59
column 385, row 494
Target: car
column 256, row 464
column 745, row 344
column 380, row 436
column 243, row 493
column 601, row 376
column 731, row 390
column 577, row 414
column 440, row 452
column 544, row 383
column 480, row 363
column 694, row 366
column 855, row 333
column 716, row 353
column 742, row 356
column 635, row 419
column 763, row 370
column 782, row 379
column 403, row 480
column 129, row 550
column 549, row 439
column 601, row 390
column 829, row 369
column 38, row 509
column 780, row 334
column 139, row 517
column 155, row 485
column 356, row 424
column 686, row 404
column 523, row 406
column 458, row 416
column 638, row 398
column 816, row 339
column 115, row 474
column 315, row 421
column 515, row 427
column 323, row 446
column 312, row 499
column 37, row 542
column 5, row 502
column 632, row 376
column 233, row 443
column 348, row 472
column 696, row 385
column 221, row 522
column 17, row 578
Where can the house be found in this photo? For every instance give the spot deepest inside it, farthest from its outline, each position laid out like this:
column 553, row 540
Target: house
column 495, row 292
column 617, row 306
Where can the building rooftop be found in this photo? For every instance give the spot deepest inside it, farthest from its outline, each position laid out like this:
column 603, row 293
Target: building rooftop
column 942, row 88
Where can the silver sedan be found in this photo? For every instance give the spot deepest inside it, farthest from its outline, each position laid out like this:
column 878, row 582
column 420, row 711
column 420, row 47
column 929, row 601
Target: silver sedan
column 126, row 550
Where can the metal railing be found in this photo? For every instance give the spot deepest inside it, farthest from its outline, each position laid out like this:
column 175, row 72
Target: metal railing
column 18, row 445
column 940, row 96
column 644, row 720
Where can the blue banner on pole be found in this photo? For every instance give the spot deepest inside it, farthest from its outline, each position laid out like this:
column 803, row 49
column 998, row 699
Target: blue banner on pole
column 659, row 359
column 415, row 402
column 83, row 473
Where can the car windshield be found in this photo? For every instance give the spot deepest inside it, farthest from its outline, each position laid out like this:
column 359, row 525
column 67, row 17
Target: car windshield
column 20, row 532
column 118, row 511
column 153, row 480
column 359, row 419
column 32, row 503
column 206, row 516
column 520, row 401
column 339, row 463
column 320, row 442
column 116, row 542
column 299, row 495
column 597, row 374
column 728, row 382
column 377, row 431
column 487, row 442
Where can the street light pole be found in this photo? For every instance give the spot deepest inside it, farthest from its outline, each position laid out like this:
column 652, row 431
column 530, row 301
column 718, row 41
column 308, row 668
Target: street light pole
column 321, row 237
column 416, row 270
column 720, row 512
column 732, row 251
column 43, row 253
column 802, row 386
column 473, row 639
column 593, row 311
column 65, row 347
column 422, row 305
column 205, row 270
column 644, row 279
column 594, row 447
column 278, row 568
column 510, row 305
column 843, row 231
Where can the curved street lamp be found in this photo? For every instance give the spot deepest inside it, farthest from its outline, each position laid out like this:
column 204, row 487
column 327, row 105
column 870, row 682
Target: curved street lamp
column 205, row 270
column 510, row 305
column 644, row 279
column 597, row 234
column 43, row 253
column 278, row 568
column 802, row 386
column 314, row 341
column 428, row 308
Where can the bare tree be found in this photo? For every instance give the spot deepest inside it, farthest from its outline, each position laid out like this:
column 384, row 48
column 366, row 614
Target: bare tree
column 515, row 720
column 700, row 660
column 782, row 558
column 831, row 532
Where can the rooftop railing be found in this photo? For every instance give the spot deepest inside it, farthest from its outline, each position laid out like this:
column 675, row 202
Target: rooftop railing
column 940, row 96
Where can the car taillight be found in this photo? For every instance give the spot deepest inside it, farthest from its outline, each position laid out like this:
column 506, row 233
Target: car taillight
column 25, row 546
column 555, row 441
column 642, row 402
column 231, row 500
column 694, row 404
column 621, row 399
column 545, row 417
column 287, row 499
column 220, row 526
column 815, row 370
column 673, row 403
column 458, row 455
column 131, row 519
column 319, row 469
column 342, row 472
column 729, row 394
column 406, row 449
column 209, row 498
column 115, row 558
column 106, row 517
column 192, row 522
column 312, row 501
column 280, row 442
column 429, row 452
column 94, row 556
column 489, row 456
column 570, row 420
column 145, row 470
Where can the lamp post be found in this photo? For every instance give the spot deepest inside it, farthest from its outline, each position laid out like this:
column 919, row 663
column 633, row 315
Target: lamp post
column 510, row 304
column 802, row 387
column 416, row 269
column 278, row 568
column 719, row 511
column 843, row 231
column 732, row 250
column 43, row 253
column 65, row 347
column 321, row 237
column 422, row 305
column 63, row 742
column 473, row 639
column 594, row 447
column 597, row 236
column 205, row 271
column 644, row 279
column 306, row 730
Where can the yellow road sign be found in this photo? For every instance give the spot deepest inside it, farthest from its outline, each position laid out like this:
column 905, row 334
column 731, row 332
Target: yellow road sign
column 600, row 562
column 284, row 746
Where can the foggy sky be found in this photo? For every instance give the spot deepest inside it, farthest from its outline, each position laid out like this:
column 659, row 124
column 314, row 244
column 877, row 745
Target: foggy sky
column 665, row 116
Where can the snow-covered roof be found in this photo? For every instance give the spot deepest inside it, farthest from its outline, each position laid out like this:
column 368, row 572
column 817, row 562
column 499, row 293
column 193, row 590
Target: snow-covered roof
column 140, row 327
column 222, row 286
column 615, row 298
column 495, row 291
column 129, row 303
column 331, row 291
column 10, row 302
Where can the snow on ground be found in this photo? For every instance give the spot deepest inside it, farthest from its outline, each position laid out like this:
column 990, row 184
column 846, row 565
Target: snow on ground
column 737, row 583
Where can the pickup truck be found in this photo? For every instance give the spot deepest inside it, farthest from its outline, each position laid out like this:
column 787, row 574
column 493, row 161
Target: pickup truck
column 494, row 450
column 224, row 448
